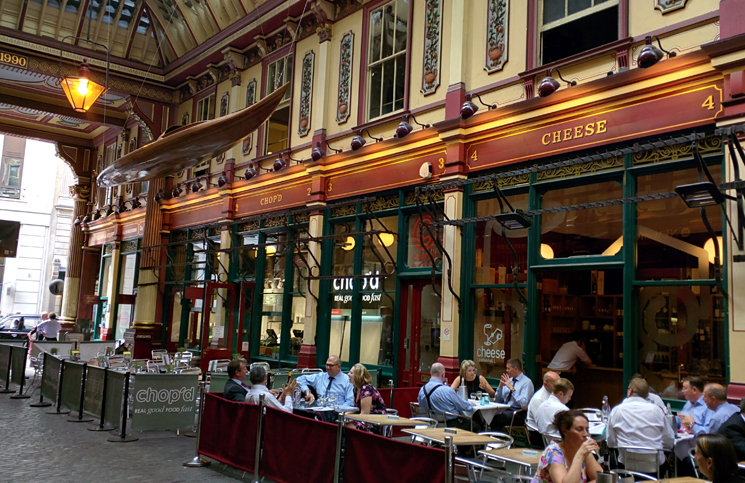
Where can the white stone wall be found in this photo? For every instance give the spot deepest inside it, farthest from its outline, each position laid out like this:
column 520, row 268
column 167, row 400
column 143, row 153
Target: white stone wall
column 44, row 210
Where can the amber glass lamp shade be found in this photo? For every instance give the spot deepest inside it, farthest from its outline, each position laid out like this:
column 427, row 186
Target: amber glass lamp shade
column 82, row 91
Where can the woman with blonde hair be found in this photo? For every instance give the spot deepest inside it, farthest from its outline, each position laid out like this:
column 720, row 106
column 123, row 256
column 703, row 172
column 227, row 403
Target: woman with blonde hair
column 474, row 383
column 366, row 397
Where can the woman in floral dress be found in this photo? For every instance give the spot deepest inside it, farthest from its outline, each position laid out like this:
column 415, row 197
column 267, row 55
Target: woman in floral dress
column 366, row 397
column 569, row 460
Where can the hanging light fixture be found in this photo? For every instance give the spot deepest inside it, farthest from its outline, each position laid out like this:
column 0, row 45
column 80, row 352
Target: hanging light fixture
column 650, row 54
column 546, row 251
column 348, row 244
column 386, row 239
column 709, row 247
column 82, row 91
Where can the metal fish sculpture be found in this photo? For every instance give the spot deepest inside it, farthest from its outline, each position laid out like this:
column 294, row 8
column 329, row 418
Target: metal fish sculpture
column 183, row 147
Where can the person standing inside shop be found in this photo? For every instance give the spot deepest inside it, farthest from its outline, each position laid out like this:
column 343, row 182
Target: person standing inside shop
column 565, row 360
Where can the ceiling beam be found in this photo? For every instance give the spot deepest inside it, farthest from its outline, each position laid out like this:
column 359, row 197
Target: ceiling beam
column 99, row 20
column 41, row 17
column 62, row 111
column 133, row 29
column 62, row 8
column 22, row 16
column 81, row 20
column 157, row 24
column 188, row 27
column 34, row 133
column 114, row 24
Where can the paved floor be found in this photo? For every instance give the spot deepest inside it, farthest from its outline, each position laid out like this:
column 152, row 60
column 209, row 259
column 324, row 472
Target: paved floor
column 40, row 447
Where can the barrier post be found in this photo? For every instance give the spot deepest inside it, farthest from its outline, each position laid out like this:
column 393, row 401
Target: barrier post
column 7, row 389
column 259, row 427
column 123, row 438
column 102, row 426
column 197, row 461
column 79, row 418
column 42, row 403
column 59, row 390
column 390, row 384
column 337, row 458
column 20, row 394
column 448, row 459
column 190, row 433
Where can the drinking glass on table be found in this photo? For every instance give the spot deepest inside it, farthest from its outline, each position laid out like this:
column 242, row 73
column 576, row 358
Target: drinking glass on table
column 332, row 400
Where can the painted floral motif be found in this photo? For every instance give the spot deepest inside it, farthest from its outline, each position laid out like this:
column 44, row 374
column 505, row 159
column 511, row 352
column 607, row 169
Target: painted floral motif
column 432, row 35
column 496, row 35
column 250, row 100
column 666, row 6
column 306, row 93
column 345, row 77
column 224, row 102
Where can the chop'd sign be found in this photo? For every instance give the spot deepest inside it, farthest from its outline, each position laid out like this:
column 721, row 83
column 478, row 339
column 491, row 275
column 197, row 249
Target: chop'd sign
column 164, row 401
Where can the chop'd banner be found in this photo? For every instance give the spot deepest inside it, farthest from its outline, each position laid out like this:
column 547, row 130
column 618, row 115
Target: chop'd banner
column 164, row 401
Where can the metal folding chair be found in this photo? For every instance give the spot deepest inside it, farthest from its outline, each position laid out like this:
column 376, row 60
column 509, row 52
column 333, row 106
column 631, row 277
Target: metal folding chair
column 426, row 423
column 635, row 474
column 692, row 457
column 641, row 459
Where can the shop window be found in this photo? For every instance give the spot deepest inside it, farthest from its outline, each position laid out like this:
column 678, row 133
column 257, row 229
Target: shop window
column 386, row 61
column 298, row 293
column 493, row 257
column 277, row 128
column 499, row 328
column 421, row 249
column 273, row 296
column 247, row 257
column 672, row 240
column 11, row 167
column 127, row 281
column 341, row 289
column 570, row 27
column 593, row 231
column 681, row 333
column 104, row 284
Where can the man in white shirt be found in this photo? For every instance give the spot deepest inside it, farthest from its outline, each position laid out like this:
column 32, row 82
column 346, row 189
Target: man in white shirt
column 556, row 402
column 637, row 422
column 50, row 327
column 567, row 355
column 258, row 378
column 538, row 398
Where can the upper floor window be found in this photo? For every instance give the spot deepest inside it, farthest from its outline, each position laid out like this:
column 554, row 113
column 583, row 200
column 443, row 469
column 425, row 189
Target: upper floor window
column 11, row 166
column 205, row 108
column 277, row 128
column 570, row 27
column 386, row 62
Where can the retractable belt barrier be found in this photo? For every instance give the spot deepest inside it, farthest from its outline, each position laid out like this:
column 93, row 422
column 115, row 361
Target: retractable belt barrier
column 5, row 367
column 18, row 370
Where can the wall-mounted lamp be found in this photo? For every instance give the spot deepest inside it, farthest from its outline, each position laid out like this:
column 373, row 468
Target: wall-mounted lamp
column 348, row 244
column 546, row 251
column 404, row 128
column 250, row 172
column 358, row 141
column 135, row 203
column 319, row 153
column 109, row 210
column 514, row 221
column 77, row 221
column 697, row 195
column 222, row 181
column 549, row 85
column 96, row 215
column 196, row 186
column 650, row 54
column 86, row 219
column 176, row 191
column 158, row 196
column 469, row 108
column 278, row 164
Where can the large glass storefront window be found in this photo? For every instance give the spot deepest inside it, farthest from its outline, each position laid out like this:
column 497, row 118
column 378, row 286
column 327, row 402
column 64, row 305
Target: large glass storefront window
column 298, row 293
column 125, row 311
column 273, row 296
column 341, row 289
column 672, row 240
column 499, row 329
column 594, row 231
column 421, row 248
column 493, row 258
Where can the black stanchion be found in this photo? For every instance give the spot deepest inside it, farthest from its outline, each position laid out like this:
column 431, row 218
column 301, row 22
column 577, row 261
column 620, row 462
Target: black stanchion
column 259, row 430
column 123, row 438
column 102, row 426
column 79, row 418
column 42, row 403
column 20, row 394
column 197, row 461
column 339, row 438
column 59, row 390
column 7, row 389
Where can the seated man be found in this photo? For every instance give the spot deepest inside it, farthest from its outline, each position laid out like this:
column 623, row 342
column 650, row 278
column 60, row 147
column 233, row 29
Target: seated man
column 556, row 402
column 441, row 398
column 734, row 430
column 538, row 398
column 715, row 398
column 694, row 414
column 333, row 381
column 653, row 398
column 637, row 422
column 515, row 389
column 235, row 389
column 277, row 399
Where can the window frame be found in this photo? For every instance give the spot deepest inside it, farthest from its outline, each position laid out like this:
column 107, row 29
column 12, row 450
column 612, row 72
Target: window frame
column 363, row 114
column 285, row 54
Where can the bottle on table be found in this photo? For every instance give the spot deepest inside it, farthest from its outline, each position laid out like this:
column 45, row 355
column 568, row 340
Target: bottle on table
column 462, row 391
column 605, row 410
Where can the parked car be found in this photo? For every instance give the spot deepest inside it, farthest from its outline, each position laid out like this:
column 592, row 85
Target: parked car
column 9, row 325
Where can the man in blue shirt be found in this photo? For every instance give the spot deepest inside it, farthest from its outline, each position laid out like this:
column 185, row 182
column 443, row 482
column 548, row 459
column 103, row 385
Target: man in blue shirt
column 333, row 381
column 515, row 389
column 715, row 398
column 441, row 398
column 694, row 414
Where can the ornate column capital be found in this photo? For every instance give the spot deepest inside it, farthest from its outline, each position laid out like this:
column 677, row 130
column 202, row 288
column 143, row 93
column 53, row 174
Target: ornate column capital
column 80, row 192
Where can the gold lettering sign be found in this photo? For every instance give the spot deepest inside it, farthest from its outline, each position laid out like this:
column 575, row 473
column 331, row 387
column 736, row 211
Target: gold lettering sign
column 270, row 200
column 583, row 131
column 13, row 59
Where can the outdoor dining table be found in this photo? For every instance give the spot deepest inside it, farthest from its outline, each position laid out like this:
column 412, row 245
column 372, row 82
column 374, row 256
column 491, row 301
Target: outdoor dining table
column 682, row 479
column 381, row 420
column 524, row 459
column 327, row 413
column 488, row 411
column 461, row 437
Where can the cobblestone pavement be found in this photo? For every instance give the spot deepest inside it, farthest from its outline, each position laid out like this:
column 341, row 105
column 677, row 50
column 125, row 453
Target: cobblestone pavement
column 40, row 447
